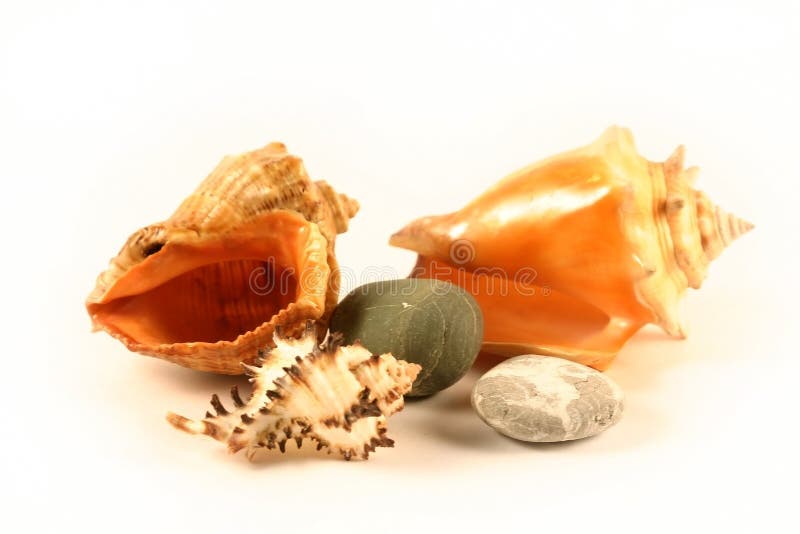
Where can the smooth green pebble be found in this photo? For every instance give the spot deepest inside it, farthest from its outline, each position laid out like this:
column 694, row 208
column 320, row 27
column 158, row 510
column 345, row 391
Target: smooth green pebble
column 433, row 323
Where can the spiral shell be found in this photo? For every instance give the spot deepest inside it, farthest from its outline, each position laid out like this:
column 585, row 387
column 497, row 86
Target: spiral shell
column 252, row 248
column 572, row 255
column 337, row 396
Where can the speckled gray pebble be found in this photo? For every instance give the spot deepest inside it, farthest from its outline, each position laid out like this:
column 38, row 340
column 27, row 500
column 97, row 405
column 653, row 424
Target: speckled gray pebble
column 545, row 399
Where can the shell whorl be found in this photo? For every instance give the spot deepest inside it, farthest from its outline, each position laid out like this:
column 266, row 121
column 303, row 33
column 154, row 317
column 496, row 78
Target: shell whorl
column 343, row 208
column 270, row 178
column 699, row 230
column 717, row 227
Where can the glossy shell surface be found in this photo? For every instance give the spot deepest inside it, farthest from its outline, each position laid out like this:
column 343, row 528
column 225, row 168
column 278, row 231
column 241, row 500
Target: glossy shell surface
column 572, row 255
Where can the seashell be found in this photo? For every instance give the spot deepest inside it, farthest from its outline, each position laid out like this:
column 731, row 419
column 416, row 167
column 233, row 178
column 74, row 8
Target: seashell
column 338, row 396
column 252, row 248
column 572, row 255
column 545, row 399
column 433, row 323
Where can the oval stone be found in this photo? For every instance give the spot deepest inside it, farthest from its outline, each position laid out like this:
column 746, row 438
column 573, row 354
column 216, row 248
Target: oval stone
column 545, row 399
column 433, row 323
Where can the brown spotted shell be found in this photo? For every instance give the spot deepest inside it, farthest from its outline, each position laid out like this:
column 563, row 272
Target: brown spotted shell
column 336, row 396
column 251, row 249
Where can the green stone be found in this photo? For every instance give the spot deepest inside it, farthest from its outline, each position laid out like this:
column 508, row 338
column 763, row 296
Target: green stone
column 433, row 323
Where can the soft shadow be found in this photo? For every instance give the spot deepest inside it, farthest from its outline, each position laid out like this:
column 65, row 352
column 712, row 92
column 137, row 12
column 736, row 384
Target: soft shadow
column 646, row 357
column 651, row 333
column 465, row 430
column 487, row 360
column 191, row 381
column 308, row 453
column 441, row 401
column 549, row 447
column 448, row 415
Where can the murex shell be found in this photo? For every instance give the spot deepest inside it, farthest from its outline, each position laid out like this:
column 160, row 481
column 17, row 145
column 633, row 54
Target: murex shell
column 338, row 396
column 572, row 255
column 252, row 248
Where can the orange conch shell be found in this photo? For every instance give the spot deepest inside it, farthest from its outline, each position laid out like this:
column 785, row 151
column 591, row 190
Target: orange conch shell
column 252, row 248
column 572, row 255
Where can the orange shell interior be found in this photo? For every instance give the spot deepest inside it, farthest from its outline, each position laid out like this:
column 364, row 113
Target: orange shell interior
column 562, row 325
column 216, row 289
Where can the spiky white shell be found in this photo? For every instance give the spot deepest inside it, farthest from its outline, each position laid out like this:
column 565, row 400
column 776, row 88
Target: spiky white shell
column 338, row 396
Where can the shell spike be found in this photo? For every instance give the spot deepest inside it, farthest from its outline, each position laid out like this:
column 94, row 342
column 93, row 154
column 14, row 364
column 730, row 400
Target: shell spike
column 285, row 406
column 691, row 174
column 674, row 163
column 217, row 405
column 249, row 369
column 237, row 399
column 188, row 425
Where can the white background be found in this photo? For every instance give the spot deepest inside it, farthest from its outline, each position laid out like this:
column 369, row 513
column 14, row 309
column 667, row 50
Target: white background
column 110, row 115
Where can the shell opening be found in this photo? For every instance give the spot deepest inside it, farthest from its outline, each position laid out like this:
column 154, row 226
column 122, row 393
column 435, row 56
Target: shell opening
column 213, row 302
column 216, row 289
column 531, row 318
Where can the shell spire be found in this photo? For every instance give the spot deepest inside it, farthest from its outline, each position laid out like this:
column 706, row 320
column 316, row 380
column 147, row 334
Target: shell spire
column 717, row 227
column 699, row 230
column 337, row 396
column 343, row 208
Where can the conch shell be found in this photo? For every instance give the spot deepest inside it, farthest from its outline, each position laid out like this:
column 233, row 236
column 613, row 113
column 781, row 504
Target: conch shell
column 252, row 248
column 572, row 255
column 338, row 396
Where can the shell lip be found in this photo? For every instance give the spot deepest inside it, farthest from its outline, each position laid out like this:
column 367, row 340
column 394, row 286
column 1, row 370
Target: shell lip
column 297, row 246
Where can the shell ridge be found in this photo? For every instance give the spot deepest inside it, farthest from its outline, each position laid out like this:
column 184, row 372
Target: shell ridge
column 238, row 189
column 302, row 391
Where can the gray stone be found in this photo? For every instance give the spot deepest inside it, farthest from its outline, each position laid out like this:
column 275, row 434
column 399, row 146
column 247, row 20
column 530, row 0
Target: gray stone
column 545, row 399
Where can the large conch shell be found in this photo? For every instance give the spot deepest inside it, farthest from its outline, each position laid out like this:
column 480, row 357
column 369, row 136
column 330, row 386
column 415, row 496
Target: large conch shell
column 250, row 249
column 572, row 255
column 337, row 396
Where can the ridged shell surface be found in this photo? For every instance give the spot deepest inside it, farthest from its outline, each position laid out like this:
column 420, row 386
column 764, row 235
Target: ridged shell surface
column 251, row 249
column 336, row 396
